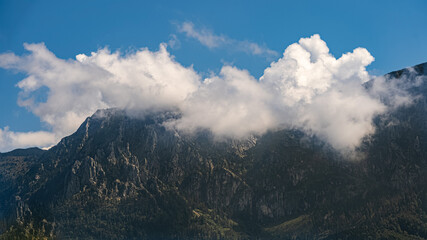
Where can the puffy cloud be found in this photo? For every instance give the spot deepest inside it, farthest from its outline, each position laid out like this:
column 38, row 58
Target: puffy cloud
column 325, row 94
column 207, row 38
column 307, row 88
column 232, row 104
column 142, row 80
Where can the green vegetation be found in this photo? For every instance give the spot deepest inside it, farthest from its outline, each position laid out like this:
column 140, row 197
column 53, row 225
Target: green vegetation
column 27, row 232
column 292, row 228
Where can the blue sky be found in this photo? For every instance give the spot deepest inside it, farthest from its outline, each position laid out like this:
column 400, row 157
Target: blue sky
column 392, row 31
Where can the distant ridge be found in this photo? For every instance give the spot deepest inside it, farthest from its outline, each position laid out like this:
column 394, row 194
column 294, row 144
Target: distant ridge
column 24, row 152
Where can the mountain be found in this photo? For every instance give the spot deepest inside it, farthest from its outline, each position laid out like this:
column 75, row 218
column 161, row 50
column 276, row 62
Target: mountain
column 14, row 165
column 122, row 177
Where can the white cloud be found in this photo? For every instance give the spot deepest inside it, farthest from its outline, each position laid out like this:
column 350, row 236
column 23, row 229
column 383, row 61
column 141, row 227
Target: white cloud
column 11, row 140
column 396, row 92
column 204, row 36
column 324, row 94
column 174, row 42
column 207, row 38
column 307, row 88
column 142, row 80
column 253, row 48
column 233, row 104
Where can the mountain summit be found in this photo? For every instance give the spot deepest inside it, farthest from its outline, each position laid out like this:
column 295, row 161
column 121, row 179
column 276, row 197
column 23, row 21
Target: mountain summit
column 125, row 177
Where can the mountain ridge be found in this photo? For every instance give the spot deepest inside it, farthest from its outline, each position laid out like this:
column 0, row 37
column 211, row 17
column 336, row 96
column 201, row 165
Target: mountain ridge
column 121, row 177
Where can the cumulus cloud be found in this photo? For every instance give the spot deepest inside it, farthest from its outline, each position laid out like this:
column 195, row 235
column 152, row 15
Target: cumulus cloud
column 142, row 80
column 207, row 38
column 307, row 89
column 232, row 104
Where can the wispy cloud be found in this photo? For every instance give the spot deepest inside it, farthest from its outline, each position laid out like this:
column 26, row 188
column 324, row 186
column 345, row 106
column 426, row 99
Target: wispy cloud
column 204, row 36
column 211, row 40
column 174, row 42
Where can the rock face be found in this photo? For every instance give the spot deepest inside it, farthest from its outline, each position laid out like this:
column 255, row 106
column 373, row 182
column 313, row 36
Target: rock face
column 121, row 177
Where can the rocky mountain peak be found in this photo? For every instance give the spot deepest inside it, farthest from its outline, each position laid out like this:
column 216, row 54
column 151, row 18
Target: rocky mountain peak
column 124, row 175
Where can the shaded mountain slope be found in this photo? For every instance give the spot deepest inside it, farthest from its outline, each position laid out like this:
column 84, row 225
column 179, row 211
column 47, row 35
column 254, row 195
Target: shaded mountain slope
column 120, row 177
